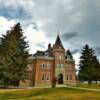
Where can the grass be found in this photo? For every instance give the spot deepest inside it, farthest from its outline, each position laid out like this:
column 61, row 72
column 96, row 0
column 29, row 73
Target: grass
column 92, row 86
column 49, row 94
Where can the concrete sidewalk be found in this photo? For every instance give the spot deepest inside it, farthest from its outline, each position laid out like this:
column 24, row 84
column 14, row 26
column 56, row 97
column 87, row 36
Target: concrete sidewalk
column 88, row 89
column 58, row 86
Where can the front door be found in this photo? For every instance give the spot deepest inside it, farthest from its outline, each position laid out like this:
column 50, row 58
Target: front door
column 60, row 79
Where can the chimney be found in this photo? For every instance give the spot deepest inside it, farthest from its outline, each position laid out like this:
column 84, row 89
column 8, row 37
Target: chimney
column 49, row 46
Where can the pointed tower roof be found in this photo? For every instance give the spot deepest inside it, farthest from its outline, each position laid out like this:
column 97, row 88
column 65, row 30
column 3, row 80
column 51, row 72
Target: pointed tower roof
column 58, row 42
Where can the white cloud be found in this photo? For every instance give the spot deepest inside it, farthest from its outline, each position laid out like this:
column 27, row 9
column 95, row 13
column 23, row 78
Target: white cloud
column 5, row 24
column 35, row 37
column 76, row 57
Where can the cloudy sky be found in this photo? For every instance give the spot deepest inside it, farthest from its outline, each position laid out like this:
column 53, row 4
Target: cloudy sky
column 78, row 22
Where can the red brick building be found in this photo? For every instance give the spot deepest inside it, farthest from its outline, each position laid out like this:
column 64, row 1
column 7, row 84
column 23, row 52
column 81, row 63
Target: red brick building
column 54, row 62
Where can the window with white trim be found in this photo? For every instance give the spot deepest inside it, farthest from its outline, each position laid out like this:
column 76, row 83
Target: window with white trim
column 43, row 65
column 43, row 76
column 67, row 76
column 46, row 54
column 48, row 76
column 70, row 76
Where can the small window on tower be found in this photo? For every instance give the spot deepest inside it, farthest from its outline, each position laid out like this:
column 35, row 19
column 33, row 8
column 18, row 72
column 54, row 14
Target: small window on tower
column 43, row 66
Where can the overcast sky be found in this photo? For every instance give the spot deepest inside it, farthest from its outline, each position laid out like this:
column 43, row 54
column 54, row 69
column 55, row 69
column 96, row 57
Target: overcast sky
column 78, row 22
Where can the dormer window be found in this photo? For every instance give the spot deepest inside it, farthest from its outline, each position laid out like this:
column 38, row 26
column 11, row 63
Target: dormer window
column 46, row 54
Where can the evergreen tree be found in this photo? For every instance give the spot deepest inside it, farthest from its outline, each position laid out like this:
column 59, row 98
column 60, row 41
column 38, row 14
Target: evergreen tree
column 96, row 74
column 14, row 55
column 88, row 65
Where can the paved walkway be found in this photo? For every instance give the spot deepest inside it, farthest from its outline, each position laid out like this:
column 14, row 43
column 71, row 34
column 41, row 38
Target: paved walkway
column 23, row 88
column 88, row 89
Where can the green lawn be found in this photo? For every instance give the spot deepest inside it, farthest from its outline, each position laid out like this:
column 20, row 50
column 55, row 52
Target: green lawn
column 49, row 94
column 92, row 86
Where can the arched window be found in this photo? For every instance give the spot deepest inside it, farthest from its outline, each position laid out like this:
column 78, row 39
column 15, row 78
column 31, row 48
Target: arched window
column 42, row 65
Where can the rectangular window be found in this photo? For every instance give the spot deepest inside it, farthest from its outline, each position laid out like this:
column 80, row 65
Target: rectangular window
column 43, row 76
column 67, row 76
column 48, row 76
column 46, row 54
column 70, row 76
column 43, row 66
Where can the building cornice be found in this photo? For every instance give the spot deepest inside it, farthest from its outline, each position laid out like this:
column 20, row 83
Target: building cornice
column 70, row 60
column 58, row 50
column 45, row 58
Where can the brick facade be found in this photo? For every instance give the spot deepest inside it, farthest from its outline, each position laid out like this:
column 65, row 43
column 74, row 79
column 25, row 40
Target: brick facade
column 45, row 65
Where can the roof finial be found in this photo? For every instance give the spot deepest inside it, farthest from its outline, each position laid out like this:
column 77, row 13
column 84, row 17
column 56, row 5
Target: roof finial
column 58, row 31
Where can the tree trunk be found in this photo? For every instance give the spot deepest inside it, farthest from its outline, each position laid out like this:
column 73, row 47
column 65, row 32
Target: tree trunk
column 89, row 82
column 53, row 85
column 96, row 82
column 16, row 83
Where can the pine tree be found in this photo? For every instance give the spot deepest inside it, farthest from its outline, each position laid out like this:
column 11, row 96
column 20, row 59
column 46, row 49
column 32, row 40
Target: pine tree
column 96, row 74
column 88, row 63
column 5, row 61
column 14, row 54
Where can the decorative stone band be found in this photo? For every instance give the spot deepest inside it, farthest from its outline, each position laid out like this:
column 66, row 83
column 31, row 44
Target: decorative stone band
column 70, row 60
column 41, row 57
column 46, row 58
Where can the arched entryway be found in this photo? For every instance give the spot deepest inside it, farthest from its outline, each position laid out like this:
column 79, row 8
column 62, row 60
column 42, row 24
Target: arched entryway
column 60, row 79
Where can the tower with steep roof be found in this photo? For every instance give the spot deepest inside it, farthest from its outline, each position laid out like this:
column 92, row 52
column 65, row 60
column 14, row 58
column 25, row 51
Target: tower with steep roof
column 58, row 43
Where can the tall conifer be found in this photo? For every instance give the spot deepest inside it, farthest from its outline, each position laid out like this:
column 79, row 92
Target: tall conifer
column 14, row 55
column 88, row 64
